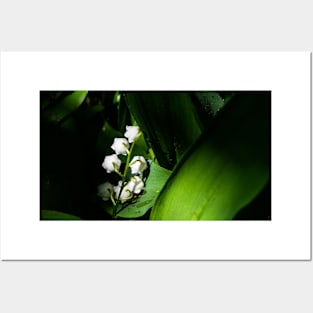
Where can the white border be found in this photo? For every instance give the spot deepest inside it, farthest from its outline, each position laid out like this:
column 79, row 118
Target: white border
column 287, row 236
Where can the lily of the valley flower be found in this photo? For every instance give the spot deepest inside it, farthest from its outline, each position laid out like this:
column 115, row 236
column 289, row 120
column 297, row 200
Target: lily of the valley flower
column 128, row 187
column 105, row 190
column 126, row 193
column 135, row 185
column 111, row 163
column 132, row 133
column 120, row 146
column 138, row 164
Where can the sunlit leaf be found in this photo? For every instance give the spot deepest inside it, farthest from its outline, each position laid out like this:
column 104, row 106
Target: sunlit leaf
column 66, row 106
column 227, row 167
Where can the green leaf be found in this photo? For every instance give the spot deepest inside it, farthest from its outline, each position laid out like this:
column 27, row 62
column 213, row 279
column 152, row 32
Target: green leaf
column 55, row 215
column 156, row 179
column 65, row 106
column 141, row 148
column 123, row 115
column 227, row 167
column 169, row 122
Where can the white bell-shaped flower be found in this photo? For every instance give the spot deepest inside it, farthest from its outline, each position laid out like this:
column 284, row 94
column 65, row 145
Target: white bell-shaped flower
column 105, row 190
column 137, row 184
column 126, row 193
column 138, row 164
column 120, row 146
column 132, row 133
column 111, row 163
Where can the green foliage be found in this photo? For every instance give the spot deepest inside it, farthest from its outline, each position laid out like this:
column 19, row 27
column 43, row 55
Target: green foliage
column 68, row 160
column 65, row 106
column 157, row 177
column 169, row 122
column 54, row 215
column 209, row 153
column 225, row 169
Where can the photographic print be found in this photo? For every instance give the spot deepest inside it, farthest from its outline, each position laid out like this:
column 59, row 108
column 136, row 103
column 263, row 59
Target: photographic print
column 155, row 155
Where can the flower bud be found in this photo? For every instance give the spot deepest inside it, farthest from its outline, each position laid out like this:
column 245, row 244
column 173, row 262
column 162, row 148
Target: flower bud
column 111, row 163
column 132, row 133
column 120, row 146
column 138, row 164
column 135, row 185
column 138, row 184
column 126, row 193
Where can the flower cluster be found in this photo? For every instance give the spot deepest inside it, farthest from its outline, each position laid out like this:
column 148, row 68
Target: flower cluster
column 125, row 190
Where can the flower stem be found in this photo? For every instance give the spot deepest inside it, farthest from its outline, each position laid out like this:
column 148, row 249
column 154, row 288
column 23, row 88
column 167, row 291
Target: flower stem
column 118, row 173
column 112, row 199
column 123, row 178
column 128, row 159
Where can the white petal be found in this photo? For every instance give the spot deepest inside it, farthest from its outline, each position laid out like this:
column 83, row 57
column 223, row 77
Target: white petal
column 120, row 146
column 138, row 184
column 111, row 161
column 125, row 194
column 132, row 133
column 138, row 164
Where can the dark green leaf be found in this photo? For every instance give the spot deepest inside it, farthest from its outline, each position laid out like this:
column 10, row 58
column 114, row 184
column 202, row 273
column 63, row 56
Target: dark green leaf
column 169, row 122
column 55, row 215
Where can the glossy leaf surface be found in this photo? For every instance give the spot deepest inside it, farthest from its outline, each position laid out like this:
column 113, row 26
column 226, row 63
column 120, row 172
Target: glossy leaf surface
column 227, row 167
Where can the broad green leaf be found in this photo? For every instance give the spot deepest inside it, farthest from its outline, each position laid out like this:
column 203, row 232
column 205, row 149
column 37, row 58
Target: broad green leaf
column 169, row 122
column 66, row 106
column 226, row 168
column 55, row 215
column 155, row 181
